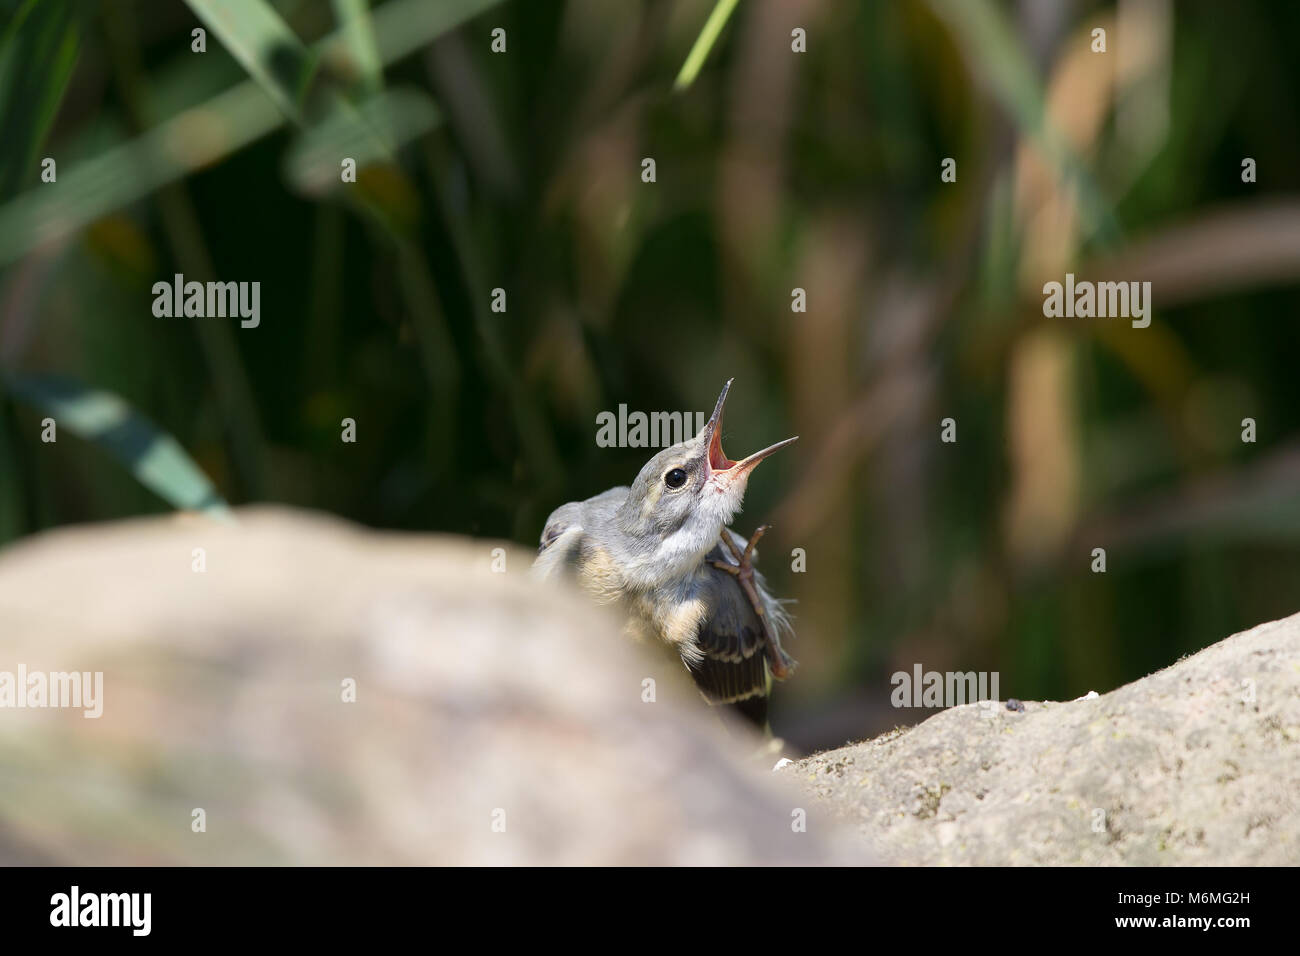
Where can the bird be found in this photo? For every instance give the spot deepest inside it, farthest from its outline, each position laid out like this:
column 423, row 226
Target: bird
column 661, row 550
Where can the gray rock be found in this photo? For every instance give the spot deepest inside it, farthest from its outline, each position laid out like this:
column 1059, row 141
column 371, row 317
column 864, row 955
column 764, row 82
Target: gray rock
column 1196, row 764
column 482, row 698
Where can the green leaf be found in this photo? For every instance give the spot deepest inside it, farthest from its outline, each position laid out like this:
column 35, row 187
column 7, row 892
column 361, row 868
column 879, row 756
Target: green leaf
column 123, row 174
column 704, row 43
column 155, row 458
column 38, row 51
column 362, row 49
column 206, row 133
column 373, row 130
column 991, row 47
column 264, row 46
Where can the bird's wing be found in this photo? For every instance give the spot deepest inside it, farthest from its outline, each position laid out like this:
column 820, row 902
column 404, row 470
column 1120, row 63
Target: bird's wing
column 560, row 540
column 562, row 519
column 563, row 534
column 731, row 665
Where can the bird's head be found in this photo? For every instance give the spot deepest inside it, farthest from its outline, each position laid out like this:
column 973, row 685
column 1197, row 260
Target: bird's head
column 685, row 495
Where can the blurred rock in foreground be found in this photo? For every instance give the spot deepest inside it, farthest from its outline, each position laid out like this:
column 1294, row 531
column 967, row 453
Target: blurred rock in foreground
column 482, row 700
column 1196, row 764
column 485, row 700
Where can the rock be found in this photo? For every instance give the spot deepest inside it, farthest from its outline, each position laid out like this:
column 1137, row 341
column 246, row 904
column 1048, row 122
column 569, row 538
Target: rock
column 496, row 720
column 501, row 721
column 1196, row 764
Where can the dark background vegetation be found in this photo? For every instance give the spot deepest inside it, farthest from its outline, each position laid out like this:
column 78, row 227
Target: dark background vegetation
column 775, row 170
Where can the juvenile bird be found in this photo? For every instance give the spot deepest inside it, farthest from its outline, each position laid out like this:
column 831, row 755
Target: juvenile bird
column 662, row 551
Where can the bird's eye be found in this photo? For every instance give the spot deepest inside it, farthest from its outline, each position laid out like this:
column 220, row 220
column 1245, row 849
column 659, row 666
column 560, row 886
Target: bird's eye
column 675, row 478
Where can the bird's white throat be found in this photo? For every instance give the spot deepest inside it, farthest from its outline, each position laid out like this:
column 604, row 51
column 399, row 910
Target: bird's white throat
column 677, row 556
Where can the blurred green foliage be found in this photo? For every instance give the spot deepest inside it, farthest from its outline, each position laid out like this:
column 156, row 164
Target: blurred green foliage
column 521, row 170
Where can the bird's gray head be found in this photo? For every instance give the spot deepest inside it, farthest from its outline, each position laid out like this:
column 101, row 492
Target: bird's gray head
column 684, row 496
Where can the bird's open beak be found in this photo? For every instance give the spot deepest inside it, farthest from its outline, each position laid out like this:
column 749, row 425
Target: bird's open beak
column 719, row 463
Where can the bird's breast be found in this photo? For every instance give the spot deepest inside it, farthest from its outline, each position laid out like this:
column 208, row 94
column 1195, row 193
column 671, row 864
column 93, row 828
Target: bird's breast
column 670, row 614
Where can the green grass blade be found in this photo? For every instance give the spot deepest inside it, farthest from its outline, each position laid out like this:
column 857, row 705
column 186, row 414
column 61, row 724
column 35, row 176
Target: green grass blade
column 704, row 43
column 371, row 131
column 125, row 173
column 155, row 458
column 405, row 26
column 263, row 45
column 38, row 51
column 198, row 136
column 363, row 50
column 990, row 44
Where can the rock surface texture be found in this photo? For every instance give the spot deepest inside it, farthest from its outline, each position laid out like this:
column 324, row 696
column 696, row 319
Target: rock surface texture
column 1196, row 764
column 497, row 720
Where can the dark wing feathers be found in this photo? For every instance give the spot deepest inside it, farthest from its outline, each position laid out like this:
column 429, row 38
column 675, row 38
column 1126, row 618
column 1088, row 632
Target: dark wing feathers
column 733, row 667
column 561, row 519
